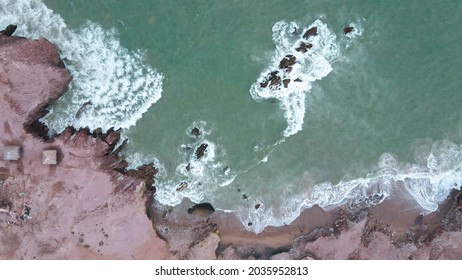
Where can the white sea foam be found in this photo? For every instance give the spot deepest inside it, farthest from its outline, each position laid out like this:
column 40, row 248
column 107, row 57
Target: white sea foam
column 429, row 183
column 194, row 177
column 137, row 159
column 111, row 86
column 309, row 67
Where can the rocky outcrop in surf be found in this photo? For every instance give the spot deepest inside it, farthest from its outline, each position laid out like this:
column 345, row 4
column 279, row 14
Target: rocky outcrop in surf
column 200, row 151
column 276, row 78
column 300, row 59
column 313, row 31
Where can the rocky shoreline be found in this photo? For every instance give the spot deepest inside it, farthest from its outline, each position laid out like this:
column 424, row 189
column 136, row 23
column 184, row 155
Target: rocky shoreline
column 89, row 206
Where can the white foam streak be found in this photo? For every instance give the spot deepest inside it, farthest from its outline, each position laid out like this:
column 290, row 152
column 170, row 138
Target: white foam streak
column 310, row 66
column 428, row 185
column 116, row 81
column 194, row 177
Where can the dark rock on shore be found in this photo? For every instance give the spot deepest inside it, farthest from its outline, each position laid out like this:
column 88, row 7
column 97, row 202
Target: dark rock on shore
column 313, row 31
column 200, row 152
column 201, row 209
column 286, row 82
column 9, row 30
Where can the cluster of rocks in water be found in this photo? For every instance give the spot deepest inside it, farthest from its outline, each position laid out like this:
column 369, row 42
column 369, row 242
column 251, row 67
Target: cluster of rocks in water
column 198, row 154
column 276, row 78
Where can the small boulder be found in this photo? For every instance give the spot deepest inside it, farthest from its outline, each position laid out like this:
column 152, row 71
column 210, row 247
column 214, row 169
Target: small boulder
column 286, row 82
column 284, row 63
column 313, row 31
column 348, row 29
column 276, row 82
column 195, row 132
column 304, row 47
column 182, row 186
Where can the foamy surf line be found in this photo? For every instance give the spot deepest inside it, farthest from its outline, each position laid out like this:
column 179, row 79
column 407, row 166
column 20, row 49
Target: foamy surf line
column 200, row 169
column 429, row 181
column 111, row 86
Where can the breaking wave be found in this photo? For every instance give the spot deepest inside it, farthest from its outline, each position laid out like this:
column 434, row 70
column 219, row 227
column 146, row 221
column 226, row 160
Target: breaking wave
column 111, row 87
column 437, row 170
column 289, row 84
column 200, row 170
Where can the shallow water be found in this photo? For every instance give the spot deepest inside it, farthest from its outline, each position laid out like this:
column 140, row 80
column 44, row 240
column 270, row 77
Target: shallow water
column 378, row 109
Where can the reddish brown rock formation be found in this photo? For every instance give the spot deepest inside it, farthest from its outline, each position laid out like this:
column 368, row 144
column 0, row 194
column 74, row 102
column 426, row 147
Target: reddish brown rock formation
column 304, row 47
column 85, row 207
column 9, row 30
column 313, row 31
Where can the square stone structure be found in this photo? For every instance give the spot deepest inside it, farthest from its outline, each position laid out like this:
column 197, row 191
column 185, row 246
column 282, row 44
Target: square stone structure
column 11, row 153
column 49, row 157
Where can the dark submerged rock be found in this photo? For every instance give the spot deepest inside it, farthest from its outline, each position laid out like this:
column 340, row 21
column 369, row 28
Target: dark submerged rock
column 295, row 31
column 85, row 106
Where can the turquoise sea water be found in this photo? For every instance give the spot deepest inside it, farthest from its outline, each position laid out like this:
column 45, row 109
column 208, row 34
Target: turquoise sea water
column 376, row 110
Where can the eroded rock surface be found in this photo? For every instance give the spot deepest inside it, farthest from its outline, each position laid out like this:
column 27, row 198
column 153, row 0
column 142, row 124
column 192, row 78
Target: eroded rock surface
column 87, row 206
